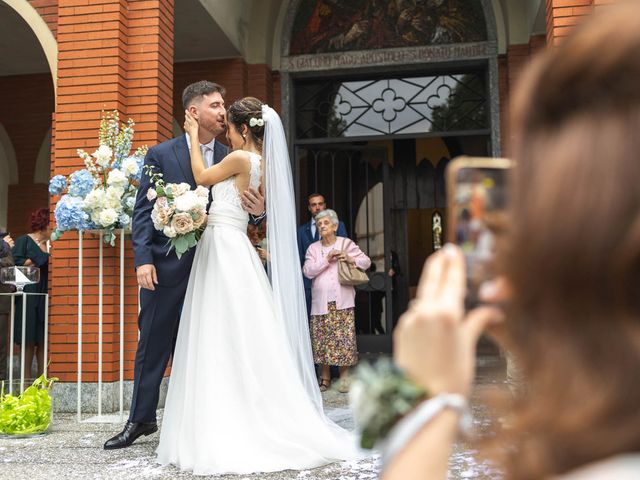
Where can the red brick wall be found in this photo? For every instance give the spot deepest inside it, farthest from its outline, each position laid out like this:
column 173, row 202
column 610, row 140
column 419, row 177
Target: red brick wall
column 562, row 15
column 48, row 10
column 27, row 103
column 510, row 66
column 112, row 55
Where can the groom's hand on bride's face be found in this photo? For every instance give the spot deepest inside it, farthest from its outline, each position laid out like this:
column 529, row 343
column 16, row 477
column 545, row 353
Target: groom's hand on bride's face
column 147, row 276
column 253, row 201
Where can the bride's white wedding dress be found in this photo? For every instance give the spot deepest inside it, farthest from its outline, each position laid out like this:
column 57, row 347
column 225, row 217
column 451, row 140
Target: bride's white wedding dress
column 236, row 403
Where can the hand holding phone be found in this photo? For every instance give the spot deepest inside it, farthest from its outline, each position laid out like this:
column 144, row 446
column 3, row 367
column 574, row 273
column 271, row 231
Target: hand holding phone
column 477, row 196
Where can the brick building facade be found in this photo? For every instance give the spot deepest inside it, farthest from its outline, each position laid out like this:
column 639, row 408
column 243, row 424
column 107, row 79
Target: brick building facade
column 136, row 57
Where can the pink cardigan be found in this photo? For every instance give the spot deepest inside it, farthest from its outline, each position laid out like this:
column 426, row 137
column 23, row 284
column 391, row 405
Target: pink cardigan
column 324, row 275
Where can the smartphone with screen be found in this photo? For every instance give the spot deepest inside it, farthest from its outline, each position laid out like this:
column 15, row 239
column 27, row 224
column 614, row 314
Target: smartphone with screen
column 477, row 201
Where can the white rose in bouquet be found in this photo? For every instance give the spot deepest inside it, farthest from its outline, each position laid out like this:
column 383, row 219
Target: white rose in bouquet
column 107, row 217
column 169, row 231
column 130, row 167
column 158, row 224
column 113, row 198
column 103, row 156
column 202, row 191
column 117, row 179
column 152, row 194
column 95, row 199
column 178, row 189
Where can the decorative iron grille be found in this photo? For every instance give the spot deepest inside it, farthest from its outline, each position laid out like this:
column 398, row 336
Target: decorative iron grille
column 442, row 103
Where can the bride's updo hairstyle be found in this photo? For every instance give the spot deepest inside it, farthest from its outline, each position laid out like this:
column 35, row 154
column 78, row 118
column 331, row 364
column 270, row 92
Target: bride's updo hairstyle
column 248, row 111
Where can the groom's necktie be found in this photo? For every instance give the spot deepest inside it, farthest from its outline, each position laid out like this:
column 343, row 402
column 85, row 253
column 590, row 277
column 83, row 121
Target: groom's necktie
column 205, row 149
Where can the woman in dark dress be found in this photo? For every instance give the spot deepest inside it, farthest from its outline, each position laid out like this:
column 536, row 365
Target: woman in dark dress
column 33, row 250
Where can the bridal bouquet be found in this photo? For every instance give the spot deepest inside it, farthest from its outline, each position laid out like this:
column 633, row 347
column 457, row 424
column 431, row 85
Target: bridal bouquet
column 178, row 212
column 380, row 396
column 102, row 195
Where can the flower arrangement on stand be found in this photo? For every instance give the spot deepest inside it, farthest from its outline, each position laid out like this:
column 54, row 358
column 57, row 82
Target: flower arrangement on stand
column 102, row 195
column 178, row 212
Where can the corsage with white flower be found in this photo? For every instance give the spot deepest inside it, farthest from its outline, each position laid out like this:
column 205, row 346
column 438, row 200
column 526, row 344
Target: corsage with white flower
column 178, row 212
column 380, row 396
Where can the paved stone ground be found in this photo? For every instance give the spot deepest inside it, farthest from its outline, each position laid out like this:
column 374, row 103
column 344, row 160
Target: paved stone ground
column 72, row 450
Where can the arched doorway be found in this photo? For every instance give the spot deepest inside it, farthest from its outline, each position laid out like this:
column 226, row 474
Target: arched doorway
column 27, row 94
column 387, row 93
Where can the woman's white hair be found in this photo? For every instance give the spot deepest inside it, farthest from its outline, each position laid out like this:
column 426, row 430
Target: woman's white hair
column 333, row 216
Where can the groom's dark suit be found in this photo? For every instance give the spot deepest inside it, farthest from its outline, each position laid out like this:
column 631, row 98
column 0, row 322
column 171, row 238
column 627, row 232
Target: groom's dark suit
column 159, row 308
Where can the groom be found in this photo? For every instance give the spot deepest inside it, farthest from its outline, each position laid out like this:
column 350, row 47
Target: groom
column 163, row 278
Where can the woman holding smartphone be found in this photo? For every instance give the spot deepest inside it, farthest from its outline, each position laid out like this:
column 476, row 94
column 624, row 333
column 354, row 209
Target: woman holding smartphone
column 572, row 265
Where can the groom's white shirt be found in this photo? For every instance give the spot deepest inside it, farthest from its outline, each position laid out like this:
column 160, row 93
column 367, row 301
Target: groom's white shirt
column 207, row 153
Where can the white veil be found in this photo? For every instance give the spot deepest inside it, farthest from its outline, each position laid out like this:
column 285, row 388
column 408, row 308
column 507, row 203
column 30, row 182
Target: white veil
column 284, row 262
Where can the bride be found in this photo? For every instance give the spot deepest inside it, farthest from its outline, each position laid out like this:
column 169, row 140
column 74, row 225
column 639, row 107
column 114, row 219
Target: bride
column 243, row 395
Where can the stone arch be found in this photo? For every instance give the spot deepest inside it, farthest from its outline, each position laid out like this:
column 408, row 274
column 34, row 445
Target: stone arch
column 41, row 31
column 8, row 172
column 404, row 58
column 42, row 171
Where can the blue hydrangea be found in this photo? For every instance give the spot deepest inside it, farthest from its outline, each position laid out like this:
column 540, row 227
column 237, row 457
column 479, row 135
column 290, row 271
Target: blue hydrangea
column 129, row 203
column 70, row 214
column 81, row 183
column 57, row 185
column 124, row 220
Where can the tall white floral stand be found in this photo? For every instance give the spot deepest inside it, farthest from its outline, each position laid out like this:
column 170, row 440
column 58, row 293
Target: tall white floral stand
column 23, row 343
column 100, row 418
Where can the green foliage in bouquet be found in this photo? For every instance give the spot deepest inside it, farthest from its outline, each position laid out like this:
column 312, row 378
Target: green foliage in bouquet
column 29, row 412
column 380, row 396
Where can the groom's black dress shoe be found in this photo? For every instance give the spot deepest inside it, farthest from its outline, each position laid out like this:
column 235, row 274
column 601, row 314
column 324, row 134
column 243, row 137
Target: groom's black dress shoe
column 129, row 435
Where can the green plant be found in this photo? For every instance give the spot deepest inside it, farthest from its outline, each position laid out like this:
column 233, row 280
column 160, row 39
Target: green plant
column 29, row 412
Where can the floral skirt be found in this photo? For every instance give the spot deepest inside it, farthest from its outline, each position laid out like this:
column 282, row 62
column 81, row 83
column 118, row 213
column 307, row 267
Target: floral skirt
column 333, row 337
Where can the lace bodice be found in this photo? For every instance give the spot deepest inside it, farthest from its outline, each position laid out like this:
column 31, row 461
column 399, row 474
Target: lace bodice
column 226, row 190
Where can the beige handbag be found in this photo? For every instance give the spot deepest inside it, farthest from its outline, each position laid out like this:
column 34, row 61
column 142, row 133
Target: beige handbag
column 350, row 274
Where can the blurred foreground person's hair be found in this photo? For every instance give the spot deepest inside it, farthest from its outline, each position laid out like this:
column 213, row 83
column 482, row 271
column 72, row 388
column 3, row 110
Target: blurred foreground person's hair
column 574, row 259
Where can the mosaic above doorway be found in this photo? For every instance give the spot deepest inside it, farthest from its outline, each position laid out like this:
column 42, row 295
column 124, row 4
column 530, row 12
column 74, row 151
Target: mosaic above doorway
column 323, row 26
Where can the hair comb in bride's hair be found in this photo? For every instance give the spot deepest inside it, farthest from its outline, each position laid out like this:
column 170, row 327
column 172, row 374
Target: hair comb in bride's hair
column 253, row 121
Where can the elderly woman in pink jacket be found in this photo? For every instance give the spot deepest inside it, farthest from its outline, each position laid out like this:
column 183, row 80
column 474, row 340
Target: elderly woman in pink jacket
column 333, row 331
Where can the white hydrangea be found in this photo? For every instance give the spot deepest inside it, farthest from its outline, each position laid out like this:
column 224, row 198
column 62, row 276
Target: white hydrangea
column 130, row 167
column 103, row 155
column 189, row 201
column 117, row 178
